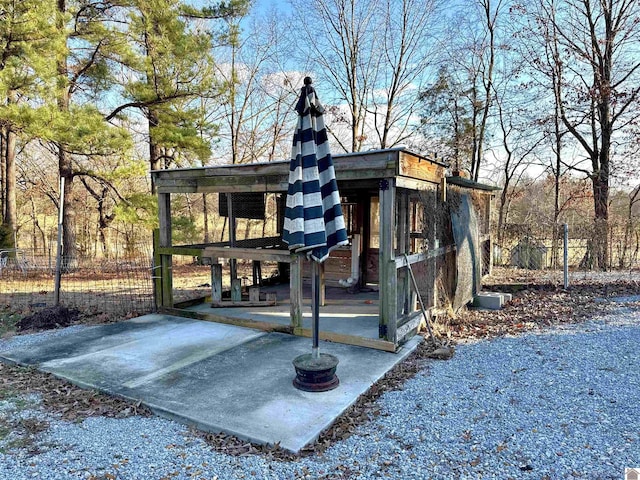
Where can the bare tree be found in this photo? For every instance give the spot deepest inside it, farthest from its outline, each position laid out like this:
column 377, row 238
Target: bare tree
column 483, row 79
column 255, row 114
column 627, row 257
column 518, row 147
column 408, row 53
column 596, row 45
column 374, row 56
column 465, row 89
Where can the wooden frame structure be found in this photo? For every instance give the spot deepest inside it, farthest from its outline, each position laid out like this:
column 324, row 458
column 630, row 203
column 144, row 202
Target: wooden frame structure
column 390, row 175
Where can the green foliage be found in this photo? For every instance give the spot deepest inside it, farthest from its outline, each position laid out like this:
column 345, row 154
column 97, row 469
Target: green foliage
column 6, row 236
column 139, row 209
column 178, row 129
column 176, row 67
column 447, row 116
column 223, row 9
column 130, row 168
column 8, row 322
column 28, row 42
column 185, row 231
column 81, row 129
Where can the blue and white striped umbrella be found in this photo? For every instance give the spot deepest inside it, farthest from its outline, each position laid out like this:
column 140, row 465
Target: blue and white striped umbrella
column 313, row 220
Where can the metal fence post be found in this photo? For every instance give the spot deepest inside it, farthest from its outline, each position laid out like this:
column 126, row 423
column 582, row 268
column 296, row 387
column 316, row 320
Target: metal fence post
column 566, row 256
column 56, row 288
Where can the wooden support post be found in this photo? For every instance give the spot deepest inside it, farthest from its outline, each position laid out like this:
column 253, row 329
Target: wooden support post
column 164, row 214
column 295, row 290
column 433, row 262
column 355, row 256
column 403, row 233
column 233, row 264
column 254, row 294
column 236, row 290
column 216, row 282
column 156, row 273
column 387, row 267
column 257, row 273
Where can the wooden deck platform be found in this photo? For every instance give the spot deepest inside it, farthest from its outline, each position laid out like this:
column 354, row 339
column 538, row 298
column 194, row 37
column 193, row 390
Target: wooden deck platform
column 350, row 318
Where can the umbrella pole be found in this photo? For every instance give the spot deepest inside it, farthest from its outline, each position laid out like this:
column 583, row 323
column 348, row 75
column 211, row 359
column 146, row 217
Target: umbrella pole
column 315, row 308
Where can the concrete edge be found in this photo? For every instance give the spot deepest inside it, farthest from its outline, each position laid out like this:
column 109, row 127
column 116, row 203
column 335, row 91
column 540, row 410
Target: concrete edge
column 406, row 350
column 166, row 413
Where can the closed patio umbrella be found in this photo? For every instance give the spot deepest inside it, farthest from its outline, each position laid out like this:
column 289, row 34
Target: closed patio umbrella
column 313, row 222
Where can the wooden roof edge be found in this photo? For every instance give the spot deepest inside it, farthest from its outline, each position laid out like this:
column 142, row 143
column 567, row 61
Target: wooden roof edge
column 277, row 162
column 392, row 149
column 465, row 182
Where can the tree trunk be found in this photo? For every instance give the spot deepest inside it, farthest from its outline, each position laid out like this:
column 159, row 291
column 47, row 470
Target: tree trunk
column 556, row 181
column 474, row 141
column 3, row 175
column 65, row 168
column 154, row 148
column 104, row 220
column 69, row 247
column 600, row 183
column 502, row 213
column 11, row 215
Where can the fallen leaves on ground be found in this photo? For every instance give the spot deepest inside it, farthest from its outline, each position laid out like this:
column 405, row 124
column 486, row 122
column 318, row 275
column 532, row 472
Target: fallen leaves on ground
column 48, row 318
column 60, row 397
column 537, row 306
column 534, row 305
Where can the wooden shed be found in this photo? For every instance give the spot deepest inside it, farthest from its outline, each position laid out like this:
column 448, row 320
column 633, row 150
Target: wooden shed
column 402, row 212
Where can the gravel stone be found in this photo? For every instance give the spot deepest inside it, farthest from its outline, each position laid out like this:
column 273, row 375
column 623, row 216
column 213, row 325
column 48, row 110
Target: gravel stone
column 556, row 403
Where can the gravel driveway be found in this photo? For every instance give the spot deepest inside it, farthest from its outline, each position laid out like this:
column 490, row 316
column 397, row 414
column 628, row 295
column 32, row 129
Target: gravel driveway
column 557, row 404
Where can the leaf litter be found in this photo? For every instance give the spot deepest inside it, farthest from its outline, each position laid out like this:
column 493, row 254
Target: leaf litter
column 534, row 306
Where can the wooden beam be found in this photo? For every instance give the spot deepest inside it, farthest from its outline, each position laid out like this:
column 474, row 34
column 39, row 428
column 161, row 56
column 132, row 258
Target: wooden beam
column 413, row 166
column 184, row 173
column 349, row 339
column 254, row 294
column 237, row 183
column 414, row 183
column 181, row 250
column 248, row 253
column 236, row 290
column 175, row 181
column 227, row 320
column 403, row 242
column 422, row 256
column 164, row 217
column 249, row 169
column 243, row 303
column 196, row 249
column 409, row 326
column 170, row 189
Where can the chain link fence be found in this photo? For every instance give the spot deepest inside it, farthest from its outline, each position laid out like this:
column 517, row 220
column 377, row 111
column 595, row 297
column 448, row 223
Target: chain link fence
column 539, row 253
column 117, row 287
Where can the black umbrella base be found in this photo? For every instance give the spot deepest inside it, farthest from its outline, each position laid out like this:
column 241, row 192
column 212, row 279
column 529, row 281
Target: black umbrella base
column 315, row 374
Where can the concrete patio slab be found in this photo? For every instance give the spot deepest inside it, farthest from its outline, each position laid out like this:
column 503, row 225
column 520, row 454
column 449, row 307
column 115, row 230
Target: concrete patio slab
column 220, row 378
